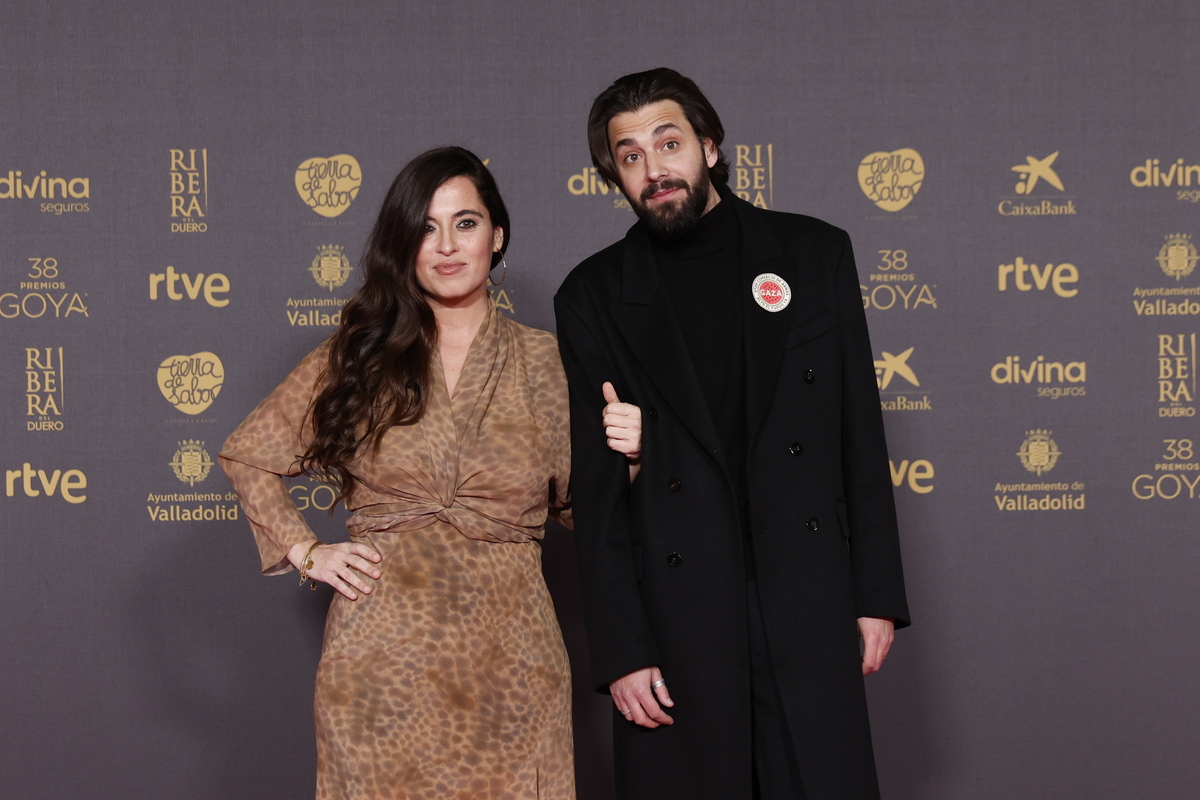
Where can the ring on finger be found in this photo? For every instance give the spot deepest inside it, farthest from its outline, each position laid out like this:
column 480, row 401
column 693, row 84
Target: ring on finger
column 626, row 712
column 658, row 683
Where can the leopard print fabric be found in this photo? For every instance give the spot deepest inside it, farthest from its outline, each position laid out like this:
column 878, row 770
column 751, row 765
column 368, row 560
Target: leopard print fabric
column 450, row 680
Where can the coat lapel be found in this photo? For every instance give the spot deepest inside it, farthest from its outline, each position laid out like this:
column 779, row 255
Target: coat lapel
column 764, row 331
column 647, row 322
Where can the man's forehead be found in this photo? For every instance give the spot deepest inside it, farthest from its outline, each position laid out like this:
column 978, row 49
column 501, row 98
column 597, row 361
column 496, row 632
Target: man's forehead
column 643, row 122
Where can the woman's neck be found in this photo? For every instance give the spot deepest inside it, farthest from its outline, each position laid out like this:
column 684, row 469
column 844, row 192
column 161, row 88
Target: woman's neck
column 457, row 326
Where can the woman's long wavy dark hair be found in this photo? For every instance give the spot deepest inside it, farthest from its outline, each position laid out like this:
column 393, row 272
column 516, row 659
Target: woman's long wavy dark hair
column 378, row 374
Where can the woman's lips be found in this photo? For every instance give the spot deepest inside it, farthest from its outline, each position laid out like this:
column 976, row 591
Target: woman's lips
column 449, row 267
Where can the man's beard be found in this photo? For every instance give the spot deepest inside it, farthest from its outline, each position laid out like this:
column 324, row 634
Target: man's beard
column 669, row 222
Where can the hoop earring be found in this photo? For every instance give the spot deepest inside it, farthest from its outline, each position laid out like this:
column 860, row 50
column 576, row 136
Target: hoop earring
column 503, row 275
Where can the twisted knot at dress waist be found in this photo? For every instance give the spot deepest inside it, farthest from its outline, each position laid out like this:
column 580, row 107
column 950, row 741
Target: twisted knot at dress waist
column 414, row 515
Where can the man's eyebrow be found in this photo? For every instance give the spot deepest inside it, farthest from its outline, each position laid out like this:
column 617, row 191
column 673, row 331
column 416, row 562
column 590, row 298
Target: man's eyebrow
column 666, row 126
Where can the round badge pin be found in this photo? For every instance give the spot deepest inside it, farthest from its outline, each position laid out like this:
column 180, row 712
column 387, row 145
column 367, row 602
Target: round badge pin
column 771, row 292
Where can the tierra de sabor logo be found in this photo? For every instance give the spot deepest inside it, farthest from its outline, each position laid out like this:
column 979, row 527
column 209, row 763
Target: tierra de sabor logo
column 1179, row 176
column 191, row 383
column 329, row 185
column 191, row 465
column 32, row 482
column 45, row 389
column 1176, row 374
column 1036, row 174
column 1025, row 277
column 888, row 368
column 191, row 462
column 60, row 195
column 189, row 190
column 1053, row 379
column 1176, row 475
column 44, row 296
column 895, row 287
column 1039, row 454
column 1176, row 259
column 891, row 180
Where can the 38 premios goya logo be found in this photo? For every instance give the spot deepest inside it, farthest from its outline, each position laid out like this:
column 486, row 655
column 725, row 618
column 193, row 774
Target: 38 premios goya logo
column 1175, row 475
column 43, row 293
column 893, row 286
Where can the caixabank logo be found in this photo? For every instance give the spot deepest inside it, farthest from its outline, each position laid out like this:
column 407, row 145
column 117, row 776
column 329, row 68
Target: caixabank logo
column 895, row 287
column 1039, row 455
column 43, row 293
column 50, row 193
column 1040, row 191
column 189, row 190
column 328, row 185
column 45, row 389
column 1176, row 178
column 191, row 465
column 899, row 387
column 1176, row 294
column 1174, row 476
column 892, row 179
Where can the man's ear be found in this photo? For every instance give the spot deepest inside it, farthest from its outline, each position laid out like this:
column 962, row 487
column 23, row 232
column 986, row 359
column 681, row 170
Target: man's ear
column 710, row 151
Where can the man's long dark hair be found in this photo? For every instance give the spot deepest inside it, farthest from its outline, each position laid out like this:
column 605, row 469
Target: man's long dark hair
column 640, row 89
column 378, row 373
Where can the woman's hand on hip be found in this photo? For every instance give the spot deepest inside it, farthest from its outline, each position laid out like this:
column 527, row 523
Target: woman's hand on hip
column 346, row 566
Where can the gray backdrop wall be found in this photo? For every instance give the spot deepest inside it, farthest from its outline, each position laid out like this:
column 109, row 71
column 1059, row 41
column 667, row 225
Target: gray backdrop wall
column 1022, row 184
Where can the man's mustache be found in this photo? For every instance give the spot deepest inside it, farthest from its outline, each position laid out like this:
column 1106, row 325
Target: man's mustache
column 655, row 188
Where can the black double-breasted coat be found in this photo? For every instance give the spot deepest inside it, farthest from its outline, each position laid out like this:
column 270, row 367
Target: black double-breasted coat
column 662, row 561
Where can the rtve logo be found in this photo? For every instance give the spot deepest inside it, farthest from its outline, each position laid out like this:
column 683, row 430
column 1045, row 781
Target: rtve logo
column 66, row 483
column 212, row 285
column 1060, row 278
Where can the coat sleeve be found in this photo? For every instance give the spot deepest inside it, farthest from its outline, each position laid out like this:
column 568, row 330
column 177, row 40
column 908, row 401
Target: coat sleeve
column 263, row 449
column 871, row 509
column 619, row 637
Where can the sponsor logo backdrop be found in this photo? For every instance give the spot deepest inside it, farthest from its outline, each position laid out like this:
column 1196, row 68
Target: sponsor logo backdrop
column 184, row 193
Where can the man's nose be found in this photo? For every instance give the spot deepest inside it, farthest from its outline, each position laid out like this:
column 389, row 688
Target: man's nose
column 656, row 167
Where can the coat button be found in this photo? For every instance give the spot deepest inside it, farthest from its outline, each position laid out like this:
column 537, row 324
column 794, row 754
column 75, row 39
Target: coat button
column 795, row 449
column 674, row 560
column 653, row 414
column 813, row 523
column 808, row 376
column 674, row 484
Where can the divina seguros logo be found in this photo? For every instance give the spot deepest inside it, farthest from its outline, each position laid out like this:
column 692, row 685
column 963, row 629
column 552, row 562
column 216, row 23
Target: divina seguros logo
column 41, row 186
column 1180, row 176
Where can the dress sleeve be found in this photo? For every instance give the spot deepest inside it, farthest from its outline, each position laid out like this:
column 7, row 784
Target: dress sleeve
column 552, row 404
column 266, row 447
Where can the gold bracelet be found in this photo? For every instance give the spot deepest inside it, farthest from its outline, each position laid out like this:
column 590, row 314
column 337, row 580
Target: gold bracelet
column 306, row 564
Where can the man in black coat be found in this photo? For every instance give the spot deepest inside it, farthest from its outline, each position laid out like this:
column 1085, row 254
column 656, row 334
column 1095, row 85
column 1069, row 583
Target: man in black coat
column 729, row 589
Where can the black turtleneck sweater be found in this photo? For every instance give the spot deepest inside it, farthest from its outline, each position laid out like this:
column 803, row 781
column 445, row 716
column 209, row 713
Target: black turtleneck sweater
column 702, row 273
